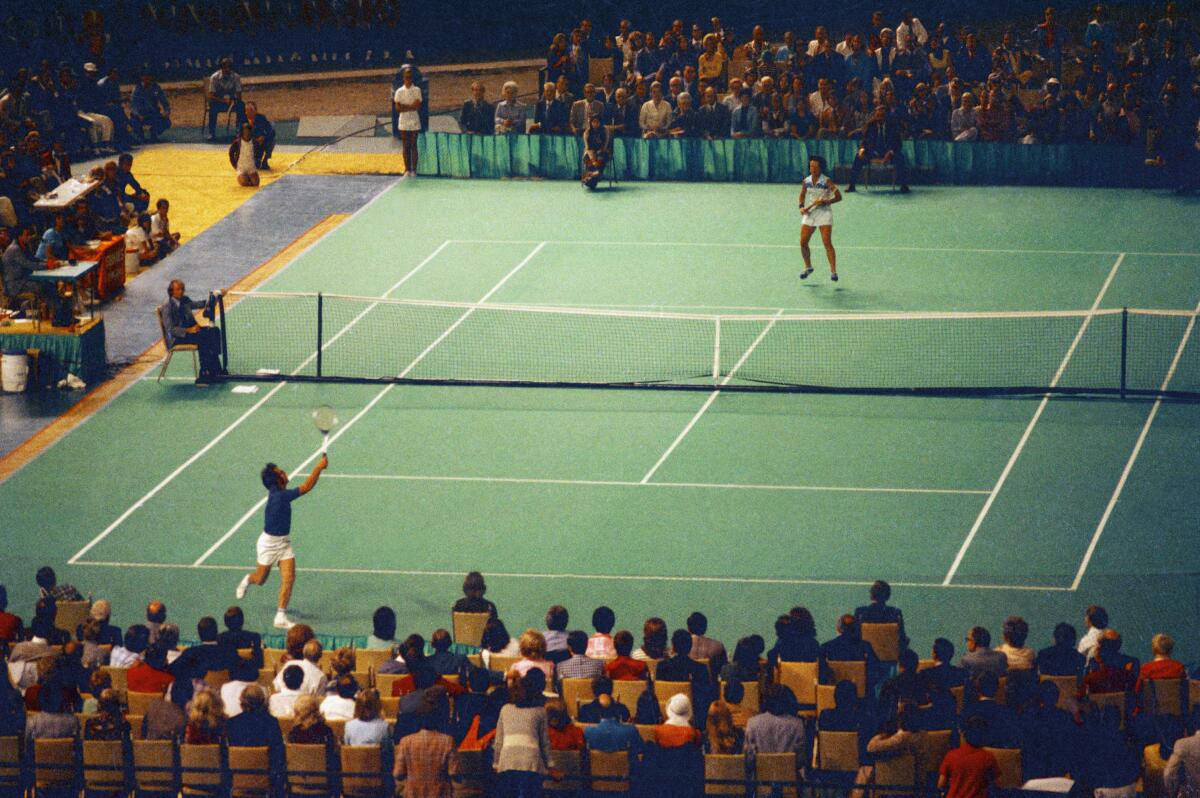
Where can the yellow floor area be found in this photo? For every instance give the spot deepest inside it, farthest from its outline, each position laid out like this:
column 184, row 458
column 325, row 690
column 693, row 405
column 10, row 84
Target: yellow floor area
column 199, row 183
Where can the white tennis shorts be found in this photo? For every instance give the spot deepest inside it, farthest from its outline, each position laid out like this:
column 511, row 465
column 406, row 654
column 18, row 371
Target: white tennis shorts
column 820, row 217
column 273, row 549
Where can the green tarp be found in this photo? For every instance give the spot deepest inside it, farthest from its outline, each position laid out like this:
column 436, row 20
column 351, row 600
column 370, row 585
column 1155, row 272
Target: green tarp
column 81, row 355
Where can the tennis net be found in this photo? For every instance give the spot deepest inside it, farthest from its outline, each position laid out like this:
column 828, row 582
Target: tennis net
column 271, row 336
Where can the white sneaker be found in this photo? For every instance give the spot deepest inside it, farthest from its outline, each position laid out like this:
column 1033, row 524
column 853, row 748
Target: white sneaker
column 241, row 588
column 282, row 622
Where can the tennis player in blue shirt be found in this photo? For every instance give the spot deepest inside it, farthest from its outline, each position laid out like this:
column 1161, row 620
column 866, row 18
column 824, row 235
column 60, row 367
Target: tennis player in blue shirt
column 274, row 544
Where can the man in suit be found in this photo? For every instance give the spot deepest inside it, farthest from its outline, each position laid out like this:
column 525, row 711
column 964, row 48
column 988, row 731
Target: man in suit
column 209, row 655
column 550, row 115
column 943, row 672
column 622, row 115
column 848, row 646
column 979, row 657
column 1001, row 727
column 1182, row 774
column 478, row 115
column 714, row 124
column 879, row 611
column 235, row 637
column 182, row 327
column 583, row 109
column 881, row 139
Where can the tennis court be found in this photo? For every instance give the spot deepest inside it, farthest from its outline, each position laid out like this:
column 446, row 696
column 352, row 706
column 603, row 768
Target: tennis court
column 740, row 504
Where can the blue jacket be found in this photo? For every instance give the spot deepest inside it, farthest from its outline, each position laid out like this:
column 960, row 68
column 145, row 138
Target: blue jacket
column 610, row 736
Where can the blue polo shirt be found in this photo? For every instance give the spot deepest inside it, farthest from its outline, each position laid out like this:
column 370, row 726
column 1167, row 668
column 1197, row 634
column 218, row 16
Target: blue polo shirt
column 278, row 516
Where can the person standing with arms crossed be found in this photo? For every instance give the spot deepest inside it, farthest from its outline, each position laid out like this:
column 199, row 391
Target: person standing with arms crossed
column 408, row 104
column 821, row 193
column 274, row 544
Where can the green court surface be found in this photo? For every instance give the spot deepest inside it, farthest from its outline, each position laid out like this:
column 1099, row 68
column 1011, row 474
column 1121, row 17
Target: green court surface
column 657, row 502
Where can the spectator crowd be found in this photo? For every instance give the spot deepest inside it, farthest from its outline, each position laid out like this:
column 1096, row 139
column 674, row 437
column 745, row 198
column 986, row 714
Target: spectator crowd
column 1080, row 707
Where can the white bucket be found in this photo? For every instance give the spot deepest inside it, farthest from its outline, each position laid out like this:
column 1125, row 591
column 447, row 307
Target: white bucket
column 14, row 371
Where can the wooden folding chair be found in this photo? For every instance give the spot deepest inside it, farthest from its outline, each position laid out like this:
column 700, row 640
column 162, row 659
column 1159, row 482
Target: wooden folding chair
column 390, row 707
column 850, row 671
column 135, row 725
column 665, row 691
column 1009, row 760
column 366, row 760
column 571, row 764
column 837, row 751
column 472, row 775
column 938, row 743
column 627, row 692
column 70, row 615
column 138, row 703
column 54, row 764
column 1118, row 700
column 609, row 771
column 10, row 766
column 385, row 681
column 724, row 768
column 249, row 771
column 801, row 679
column 104, row 766
column 155, row 769
column 308, row 770
column 1164, row 696
column 468, row 627
column 338, row 727
column 171, row 350
column 825, row 698
column 749, row 705
column 368, row 659
column 501, row 664
column 216, row 679
column 574, row 692
column 119, row 677
column 884, row 639
column 272, row 657
column 896, row 775
column 775, row 768
column 1067, row 685
column 201, row 770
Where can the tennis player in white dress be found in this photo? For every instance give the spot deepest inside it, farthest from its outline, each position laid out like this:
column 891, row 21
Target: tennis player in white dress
column 817, row 194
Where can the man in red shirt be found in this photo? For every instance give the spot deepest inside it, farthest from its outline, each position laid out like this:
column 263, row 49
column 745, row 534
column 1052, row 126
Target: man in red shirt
column 11, row 628
column 625, row 667
column 968, row 770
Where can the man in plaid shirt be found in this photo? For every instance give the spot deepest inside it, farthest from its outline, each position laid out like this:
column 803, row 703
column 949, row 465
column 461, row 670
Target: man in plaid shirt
column 424, row 759
column 48, row 586
column 578, row 666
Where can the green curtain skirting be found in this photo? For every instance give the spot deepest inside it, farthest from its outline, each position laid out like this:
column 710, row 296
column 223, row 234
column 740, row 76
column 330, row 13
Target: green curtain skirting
column 782, row 160
column 82, row 355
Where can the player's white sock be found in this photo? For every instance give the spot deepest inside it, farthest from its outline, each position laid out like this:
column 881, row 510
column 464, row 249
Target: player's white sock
column 241, row 588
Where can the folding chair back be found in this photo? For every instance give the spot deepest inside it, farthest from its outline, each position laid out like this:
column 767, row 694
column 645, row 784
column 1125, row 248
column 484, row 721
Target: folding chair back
column 825, row 698
column 10, row 764
column 249, row 771
column 575, row 691
column 200, row 769
column 171, row 350
column 775, row 768
column 338, row 727
column 1066, row 690
column 627, row 692
column 103, row 765
column 70, row 615
column 610, row 771
column 468, row 627
column 54, row 764
column 665, row 691
column 370, row 659
column 837, row 751
column 154, row 766
column 385, row 681
column 850, row 671
column 272, row 657
column 1009, row 760
column 937, row 745
column 308, row 770
column 1164, row 696
column 216, row 679
column 749, row 705
column 724, row 768
column 899, row 772
column 801, row 679
column 366, row 760
column 501, row 664
column 138, row 703
column 571, row 765
column 884, row 639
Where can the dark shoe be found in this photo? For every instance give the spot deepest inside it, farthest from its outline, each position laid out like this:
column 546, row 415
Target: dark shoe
column 266, row 167
column 850, row 189
column 833, row 277
column 804, row 274
column 904, row 189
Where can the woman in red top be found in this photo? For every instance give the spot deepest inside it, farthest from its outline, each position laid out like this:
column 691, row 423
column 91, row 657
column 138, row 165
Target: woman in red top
column 678, row 730
column 564, row 735
column 1162, row 666
column 625, row 667
column 151, row 674
column 206, row 720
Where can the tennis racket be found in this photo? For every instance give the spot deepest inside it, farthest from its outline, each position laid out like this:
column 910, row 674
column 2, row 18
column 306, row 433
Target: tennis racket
column 325, row 419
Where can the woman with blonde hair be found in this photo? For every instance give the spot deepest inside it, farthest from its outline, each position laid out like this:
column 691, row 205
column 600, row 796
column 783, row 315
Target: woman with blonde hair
column 309, row 727
column 368, row 726
column 532, row 646
column 206, row 720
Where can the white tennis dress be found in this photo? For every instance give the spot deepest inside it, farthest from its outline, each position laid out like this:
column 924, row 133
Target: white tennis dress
column 823, row 215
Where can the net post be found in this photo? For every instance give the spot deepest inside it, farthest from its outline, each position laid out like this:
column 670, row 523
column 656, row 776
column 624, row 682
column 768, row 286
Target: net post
column 716, row 372
column 320, row 328
column 1124, row 346
column 221, row 324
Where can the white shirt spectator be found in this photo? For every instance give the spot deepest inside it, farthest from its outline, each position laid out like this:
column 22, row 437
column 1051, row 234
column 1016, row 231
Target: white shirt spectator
column 817, row 104
column 335, row 707
column 156, row 228
column 282, row 704
column 122, row 657
column 843, row 49
column 655, row 116
column 1086, row 646
column 511, row 650
column 408, row 120
column 366, row 732
column 314, row 683
column 135, row 240
column 906, row 32
column 231, row 696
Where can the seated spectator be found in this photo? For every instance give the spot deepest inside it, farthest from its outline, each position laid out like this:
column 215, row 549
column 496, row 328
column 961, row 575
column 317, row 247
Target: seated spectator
column 906, row 687
column 18, row 263
column 340, row 705
column 1095, row 620
column 712, row 117
column 309, row 727
column 443, row 660
column 578, row 666
column 600, row 644
column 1161, row 666
column 426, row 686
column 623, row 114
column 1000, row 726
column 969, row 770
column 979, row 657
column 55, row 720
column 137, row 640
column 164, row 240
column 241, row 675
column 54, row 244
column 555, row 635
column 11, row 626
column 654, row 641
column 550, row 113
column 254, row 727
column 139, row 251
column 849, row 713
column 93, row 655
column 341, row 663
column 244, row 155
column 722, row 735
column 582, row 110
column 149, row 107
column 685, row 122
column 383, row 630
column 879, row 611
column 1106, row 759
column 612, row 731
column 1050, row 738
column 510, row 119
column 263, row 133
column 776, row 729
column 224, row 93
column 564, row 735
column 745, row 121
column 881, row 140
column 677, row 730
column 283, row 702
column 209, row 655
column 108, row 723
column 744, row 667
column 795, row 639
column 368, row 726
column 478, row 115
column 166, row 718
column 130, row 191
column 964, row 122
column 602, row 688
column 474, row 587
column 680, row 667
column 168, row 640
column 206, row 720
column 423, row 759
column 941, row 710
column 236, row 637
column 179, row 318
column 156, row 616
column 901, row 736
column 533, row 655
column 1061, row 659
column 497, row 641
column 655, row 114
column 848, row 646
column 151, row 675
column 1113, row 673
column 705, row 647
column 624, row 667
column 101, row 611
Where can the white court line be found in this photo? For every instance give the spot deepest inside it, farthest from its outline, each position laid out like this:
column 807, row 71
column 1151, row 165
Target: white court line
column 712, row 397
column 615, row 483
column 589, row 577
column 862, row 247
column 375, row 400
column 1037, row 414
column 1137, row 448
column 238, row 422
